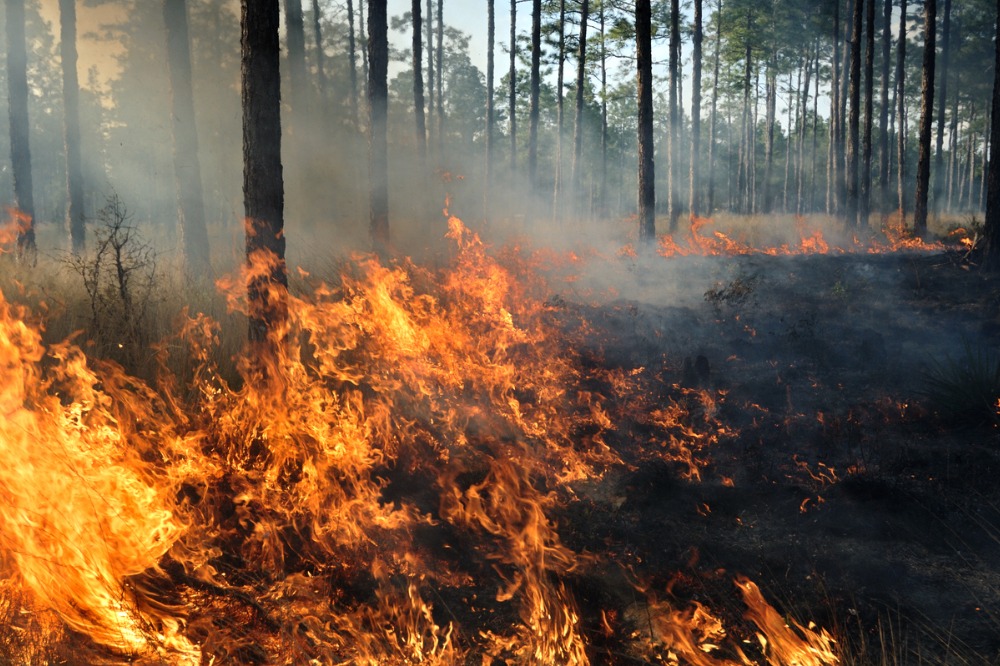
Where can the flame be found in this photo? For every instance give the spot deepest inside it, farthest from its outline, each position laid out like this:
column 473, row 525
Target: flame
column 385, row 491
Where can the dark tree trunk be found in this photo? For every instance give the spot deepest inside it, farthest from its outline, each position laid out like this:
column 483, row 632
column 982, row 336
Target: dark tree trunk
column 852, row 206
column 938, row 195
column 296, row 38
column 815, row 137
column 431, row 56
column 800, row 161
column 263, row 192
column 490, row 44
column 581, row 73
column 20, row 151
column 770, row 110
column 864, row 203
column 644, row 62
column 883, row 114
column 418, row 80
column 746, row 127
column 992, row 222
column 836, row 120
column 560, row 108
column 187, row 166
column 364, row 46
column 536, row 59
column 75, row 216
column 710, row 206
column 317, row 26
column 512, row 88
column 378, row 106
column 926, row 115
column 352, row 63
column 603, row 192
column 439, row 101
column 695, row 163
column 901, row 115
column 673, row 136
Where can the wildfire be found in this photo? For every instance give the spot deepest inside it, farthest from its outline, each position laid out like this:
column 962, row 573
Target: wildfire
column 388, row 492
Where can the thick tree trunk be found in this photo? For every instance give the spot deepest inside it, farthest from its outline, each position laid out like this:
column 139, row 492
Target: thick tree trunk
column 864, row 204
column 20, row 151
column 695, row 162
column 852, row 206
column 263, row 192
column 992, row 221
column 418, row 80
column 75, row 215
column 673, row 135
column 581, row 73
column 512, row 88
column 378, row 103
column 710, row 207
column 536, row 60
column 644, row 62
column 187, row 166
column 901, row 114
column 938, row 193
column 926, row 116
column 883, row 114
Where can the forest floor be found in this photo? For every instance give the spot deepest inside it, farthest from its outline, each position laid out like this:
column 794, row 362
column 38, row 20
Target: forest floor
column 858, row 483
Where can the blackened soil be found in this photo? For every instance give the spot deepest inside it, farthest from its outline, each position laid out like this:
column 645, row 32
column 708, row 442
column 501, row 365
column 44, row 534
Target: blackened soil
column 851, row 487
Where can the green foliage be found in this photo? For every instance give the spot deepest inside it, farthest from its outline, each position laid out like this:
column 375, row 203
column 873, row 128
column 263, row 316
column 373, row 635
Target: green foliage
column 966, row 390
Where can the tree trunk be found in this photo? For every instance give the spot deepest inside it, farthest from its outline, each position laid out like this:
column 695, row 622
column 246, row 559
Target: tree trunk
column 490, row 39
column 815, row 136
column 901, row 114
column 378, row 103
column 770, row 111
column 430, row 71
column 792, row 117
column 710, row 207
column 673, row 135
column 864, row 205
column 20, row 151
column 440, row 78
column 263, row 192
column 536, row 58
column 644, row 63
column 800, row 161
column 603, row 191
column 695, row 163
column 926, row 115
column 296, row 38
column 883, row 114
column 746, row 130
column 581, row 73
column 187, row 166
column 836, row 119
column 954, row 141
column 991, row 260
column 418, row 80
column 560, row 87
column 317, row 16
column 364, row 47
column 938, row 193
column 352, row 62
column 75, row 216
column 852, row 206
column 512, row 88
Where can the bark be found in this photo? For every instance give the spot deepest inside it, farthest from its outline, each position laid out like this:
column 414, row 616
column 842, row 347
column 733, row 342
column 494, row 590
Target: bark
column 644, row 63
column 352, row 62
column 187, row 167
column 992, row 222
column 864, row 204
column 418, row 81
column 378, row 104
column 815, row 135
column 715, row 108
column 695, row 162
column 536, row 55
column 296, row 38
column 901, row 113
column 75, row 215
column 560, row 87
column 512, row 88
column 852, row 206
column 836, row 120
column 263, row 192
column 20, row 150
column 673, row 136
column 941, row 112
column 581, row 73
column 603, row 191
column 439, row 101
column 364, row 46
column 926, row 113
column 800, row 162
column 490, row 40
column 953, row 135
column 431, row 81
column 746, row 134
column 317, row 26
column 770, row 110
column 883, row 115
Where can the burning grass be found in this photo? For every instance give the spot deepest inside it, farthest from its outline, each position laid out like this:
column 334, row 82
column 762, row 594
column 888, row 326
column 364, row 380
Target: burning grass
column 444, row 468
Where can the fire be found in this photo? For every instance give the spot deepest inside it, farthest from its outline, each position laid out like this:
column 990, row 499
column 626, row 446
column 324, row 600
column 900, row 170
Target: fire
column 387, row 491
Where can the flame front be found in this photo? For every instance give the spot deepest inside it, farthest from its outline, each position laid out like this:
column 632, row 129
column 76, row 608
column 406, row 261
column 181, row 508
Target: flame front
column 387, row 493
